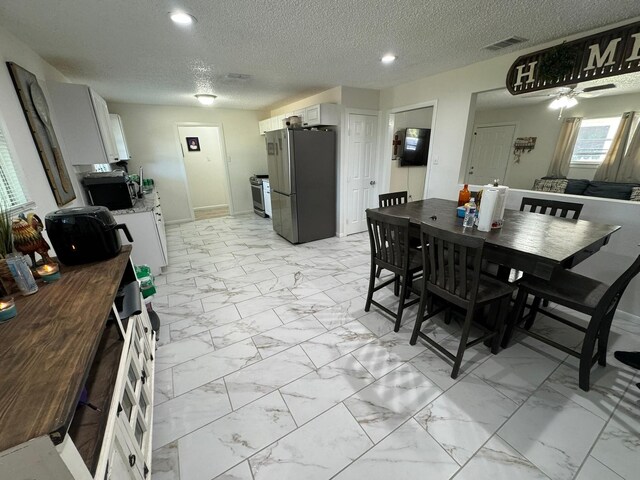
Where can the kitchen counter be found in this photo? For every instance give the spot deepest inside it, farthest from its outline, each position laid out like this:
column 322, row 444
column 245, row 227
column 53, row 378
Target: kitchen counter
column 47, row 350
column 144, row 204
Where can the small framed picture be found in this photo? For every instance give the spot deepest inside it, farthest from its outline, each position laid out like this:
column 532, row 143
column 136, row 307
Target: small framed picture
column 193, row 144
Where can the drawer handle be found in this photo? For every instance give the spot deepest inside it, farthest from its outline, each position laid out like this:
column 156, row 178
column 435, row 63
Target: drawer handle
column 132, row 460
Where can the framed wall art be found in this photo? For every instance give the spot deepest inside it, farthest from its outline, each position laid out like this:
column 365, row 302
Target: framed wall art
column 36, row 111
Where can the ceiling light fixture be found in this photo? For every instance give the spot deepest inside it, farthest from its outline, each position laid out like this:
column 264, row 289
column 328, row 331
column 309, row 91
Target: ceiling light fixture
column 205, row 98
column 182, row 18
column 563, row 101
column 388, row 58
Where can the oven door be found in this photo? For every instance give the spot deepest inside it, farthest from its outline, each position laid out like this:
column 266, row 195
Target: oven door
column 258, row 199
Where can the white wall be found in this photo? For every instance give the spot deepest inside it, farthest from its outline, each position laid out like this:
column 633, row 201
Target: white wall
column 411, row 179
column 152, row 137
column 205, row 169
column 539, row 121
column 14, row 124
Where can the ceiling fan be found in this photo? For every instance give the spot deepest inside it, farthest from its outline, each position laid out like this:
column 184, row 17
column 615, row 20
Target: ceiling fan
column 565, row 97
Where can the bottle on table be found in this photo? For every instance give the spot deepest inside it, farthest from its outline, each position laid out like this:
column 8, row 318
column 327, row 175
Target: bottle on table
column 464, row 195
column 470, row 213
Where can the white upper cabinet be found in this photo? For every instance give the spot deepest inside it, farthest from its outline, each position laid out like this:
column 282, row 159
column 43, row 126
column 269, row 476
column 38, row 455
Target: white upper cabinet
column 118, row 135
column 321, row 114
column 83, row 123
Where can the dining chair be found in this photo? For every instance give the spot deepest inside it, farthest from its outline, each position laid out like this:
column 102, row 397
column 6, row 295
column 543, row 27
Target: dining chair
column 390, row 199
column 389, row 240
column 551, row 207
column 452, row 272
column 582, row 294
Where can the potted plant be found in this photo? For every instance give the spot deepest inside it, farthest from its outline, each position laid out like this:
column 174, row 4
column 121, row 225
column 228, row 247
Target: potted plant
column 6, row 247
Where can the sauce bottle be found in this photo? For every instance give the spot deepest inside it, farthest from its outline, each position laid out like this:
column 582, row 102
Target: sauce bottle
column 464, row 195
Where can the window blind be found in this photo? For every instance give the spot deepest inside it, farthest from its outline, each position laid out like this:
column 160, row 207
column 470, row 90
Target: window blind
column 12, row 194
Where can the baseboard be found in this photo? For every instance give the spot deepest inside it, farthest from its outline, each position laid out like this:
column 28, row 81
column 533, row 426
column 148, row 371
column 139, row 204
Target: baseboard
column 222, row 205
column 243, row 212
column 629, row 317
column 182, row 220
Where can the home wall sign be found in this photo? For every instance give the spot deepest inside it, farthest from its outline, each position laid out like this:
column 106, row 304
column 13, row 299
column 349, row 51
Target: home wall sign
column 605, row 54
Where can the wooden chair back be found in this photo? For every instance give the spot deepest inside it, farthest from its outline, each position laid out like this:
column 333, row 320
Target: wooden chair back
column 551, row 207
column 389, row 239
column 452, row 264
column 609, row 301
column 390, row 199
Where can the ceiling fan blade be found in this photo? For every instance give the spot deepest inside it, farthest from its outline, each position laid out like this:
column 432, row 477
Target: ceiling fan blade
column 595, row 88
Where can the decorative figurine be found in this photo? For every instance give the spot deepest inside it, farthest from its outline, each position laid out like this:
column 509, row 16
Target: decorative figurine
column 28, row 239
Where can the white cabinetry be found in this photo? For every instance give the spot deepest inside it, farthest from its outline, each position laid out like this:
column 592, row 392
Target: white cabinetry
column 314, row 115
column 119, row 137
column 322, row 114
column 82, row 121
column 147, row 229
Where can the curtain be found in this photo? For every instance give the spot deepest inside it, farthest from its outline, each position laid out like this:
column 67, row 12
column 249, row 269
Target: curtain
column 564, row 148
column 629, row 171
column 608, row 169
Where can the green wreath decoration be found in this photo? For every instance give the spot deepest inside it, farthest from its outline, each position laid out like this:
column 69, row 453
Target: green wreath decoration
column 557, row 62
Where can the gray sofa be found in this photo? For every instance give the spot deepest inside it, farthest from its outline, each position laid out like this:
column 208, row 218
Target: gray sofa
column 620, row 191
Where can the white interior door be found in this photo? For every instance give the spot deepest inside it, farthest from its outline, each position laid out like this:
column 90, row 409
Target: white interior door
column 490, row 154
column 204, row 165
column 361, row 180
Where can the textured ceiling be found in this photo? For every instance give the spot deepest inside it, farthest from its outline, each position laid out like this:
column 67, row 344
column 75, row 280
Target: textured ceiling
column 129, row 51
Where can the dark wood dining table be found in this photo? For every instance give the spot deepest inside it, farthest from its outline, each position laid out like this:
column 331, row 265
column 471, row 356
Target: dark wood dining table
column 533, row 243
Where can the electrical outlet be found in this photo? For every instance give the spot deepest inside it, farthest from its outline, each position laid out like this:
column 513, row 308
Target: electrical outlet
column 436, row 159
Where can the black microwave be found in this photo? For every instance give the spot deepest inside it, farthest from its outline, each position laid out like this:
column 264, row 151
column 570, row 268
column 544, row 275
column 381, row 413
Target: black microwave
column 113, row 190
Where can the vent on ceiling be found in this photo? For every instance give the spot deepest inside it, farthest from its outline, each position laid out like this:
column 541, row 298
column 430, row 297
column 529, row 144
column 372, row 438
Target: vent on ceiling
column 238, row 77
column 507, row 42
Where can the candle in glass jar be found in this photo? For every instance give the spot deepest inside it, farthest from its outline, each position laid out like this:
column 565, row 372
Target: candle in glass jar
column 7, row 309
column 49, row 272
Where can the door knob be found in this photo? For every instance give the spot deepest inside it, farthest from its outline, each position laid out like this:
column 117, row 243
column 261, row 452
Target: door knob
column 372, row 182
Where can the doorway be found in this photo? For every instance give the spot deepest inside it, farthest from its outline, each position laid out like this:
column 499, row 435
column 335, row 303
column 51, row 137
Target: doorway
column 490, row 153
column 206, row 170
column 361, row 163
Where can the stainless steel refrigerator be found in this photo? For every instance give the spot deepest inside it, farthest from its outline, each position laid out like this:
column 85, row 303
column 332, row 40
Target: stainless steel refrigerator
column 302, row 175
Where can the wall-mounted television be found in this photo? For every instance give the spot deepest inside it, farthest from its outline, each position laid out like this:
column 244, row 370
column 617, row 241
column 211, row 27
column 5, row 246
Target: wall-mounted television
column 416, row 147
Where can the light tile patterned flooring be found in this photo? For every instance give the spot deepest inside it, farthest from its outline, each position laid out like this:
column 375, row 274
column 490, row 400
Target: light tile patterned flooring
column 269, row 368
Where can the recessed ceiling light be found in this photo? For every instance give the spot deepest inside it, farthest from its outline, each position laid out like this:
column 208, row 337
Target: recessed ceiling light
column 182, row 18
column 205, row 98
column 388, row 58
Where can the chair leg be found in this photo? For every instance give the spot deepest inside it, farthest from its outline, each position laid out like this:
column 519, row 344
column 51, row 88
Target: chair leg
column 463, row 343
column 533, row 312
column 603, row 340
column 379, row 272
column 401, row 302
column 447, row 316
column 515, row 317
column 586, row 355
column 372, row 283
column 499, row 326
column 424, row 300
column 396, row 285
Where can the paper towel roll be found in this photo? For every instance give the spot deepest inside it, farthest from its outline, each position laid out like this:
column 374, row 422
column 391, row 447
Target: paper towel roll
column 487, row 207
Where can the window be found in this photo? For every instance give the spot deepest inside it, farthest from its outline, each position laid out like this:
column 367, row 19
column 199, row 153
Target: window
column 12, row 195
column 594, row 140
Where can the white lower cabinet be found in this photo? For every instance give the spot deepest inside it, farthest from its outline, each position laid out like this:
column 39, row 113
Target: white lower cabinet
column 149, row 237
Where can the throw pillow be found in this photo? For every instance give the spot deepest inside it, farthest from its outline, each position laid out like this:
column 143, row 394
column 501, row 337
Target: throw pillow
column 554, row 186
column 635, row 194
column 621, row 191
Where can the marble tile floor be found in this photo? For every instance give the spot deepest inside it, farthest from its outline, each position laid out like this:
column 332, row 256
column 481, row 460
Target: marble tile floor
column 268, row 367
